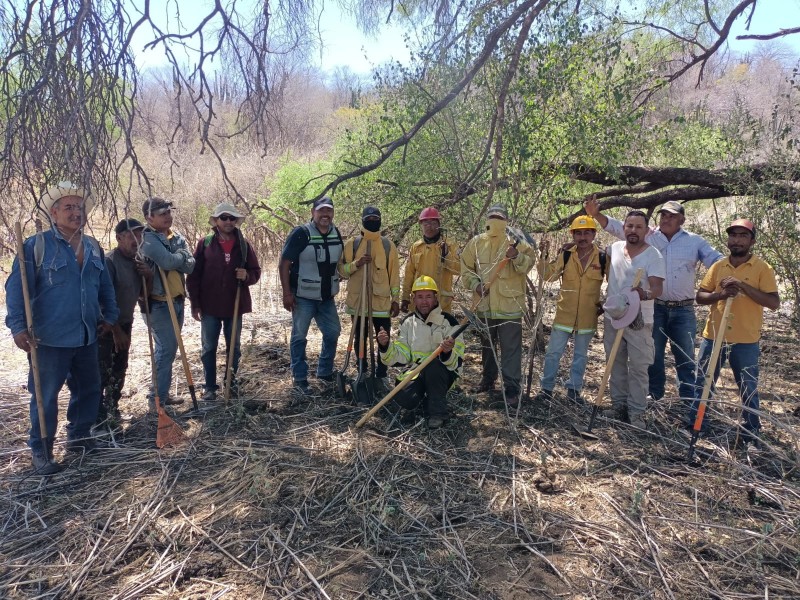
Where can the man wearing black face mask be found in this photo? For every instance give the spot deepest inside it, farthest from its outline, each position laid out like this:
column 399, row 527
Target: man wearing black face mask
column 385, row 275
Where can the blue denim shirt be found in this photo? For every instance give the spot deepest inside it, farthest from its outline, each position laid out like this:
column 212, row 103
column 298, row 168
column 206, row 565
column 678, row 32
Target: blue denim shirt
column 68, row 301
column 170, row 253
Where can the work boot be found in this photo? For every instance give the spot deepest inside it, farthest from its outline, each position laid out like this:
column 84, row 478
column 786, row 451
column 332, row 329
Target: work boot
column 43, row 466
column 82, row 445
column 544, row 396
column 575, row 396
column 512, row 400
column 172, row 400
column 209, row 396
column 615, row 414
column 638, row 422
column 435, row 422
column 484, row 386
column 302, row 389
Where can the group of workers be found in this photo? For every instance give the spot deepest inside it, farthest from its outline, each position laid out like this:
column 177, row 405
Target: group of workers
column 82, row 302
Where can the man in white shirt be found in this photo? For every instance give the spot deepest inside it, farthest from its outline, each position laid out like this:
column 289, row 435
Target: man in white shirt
column 628, row 383
column 674, row 316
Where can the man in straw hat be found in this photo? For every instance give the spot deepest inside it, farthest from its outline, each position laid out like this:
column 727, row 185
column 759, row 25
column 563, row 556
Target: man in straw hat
column 72, row 297
column 167, row 250
column 631, row 308
column 581, row 268
column 126, row 270
column 674, row 318
column 751, row 283
column 224, row 263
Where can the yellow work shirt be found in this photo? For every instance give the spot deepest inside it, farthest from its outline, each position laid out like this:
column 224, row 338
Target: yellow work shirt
column 426, row 259
column 580, row 290
column 747, row 316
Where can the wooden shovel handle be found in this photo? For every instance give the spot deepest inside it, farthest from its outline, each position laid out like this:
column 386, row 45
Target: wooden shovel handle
column 712, row 365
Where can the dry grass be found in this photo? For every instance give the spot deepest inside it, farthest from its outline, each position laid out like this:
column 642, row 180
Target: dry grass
column 273, row 498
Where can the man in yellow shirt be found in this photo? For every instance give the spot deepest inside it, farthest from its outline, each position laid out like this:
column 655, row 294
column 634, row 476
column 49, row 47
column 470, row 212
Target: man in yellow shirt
column 581, row 269
column 433, row 256
column 751, row 282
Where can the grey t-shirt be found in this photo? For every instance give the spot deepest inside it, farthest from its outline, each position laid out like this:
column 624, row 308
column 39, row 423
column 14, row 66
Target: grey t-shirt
column 127, row 284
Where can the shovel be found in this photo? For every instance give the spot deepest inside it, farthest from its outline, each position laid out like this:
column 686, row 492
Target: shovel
column 359, row 386
column 371, row 380
column 710, row 369
column 588, row 435
column 410, row 376
column 341, row 379
column 168, row 433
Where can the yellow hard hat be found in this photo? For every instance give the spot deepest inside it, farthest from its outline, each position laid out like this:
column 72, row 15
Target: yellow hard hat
column 424, row 283
column 583, row 222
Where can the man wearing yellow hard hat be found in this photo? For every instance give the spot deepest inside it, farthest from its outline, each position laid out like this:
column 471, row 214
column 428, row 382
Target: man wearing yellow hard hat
column 581, row 269
column 421, row 332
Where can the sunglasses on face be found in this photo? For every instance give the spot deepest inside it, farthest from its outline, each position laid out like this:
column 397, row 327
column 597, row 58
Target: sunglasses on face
column 226, row 218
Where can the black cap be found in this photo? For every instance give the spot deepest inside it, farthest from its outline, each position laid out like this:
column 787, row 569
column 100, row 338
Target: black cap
column 128, row 225
column 152, row 205
column 370, row 211
column 324, row 202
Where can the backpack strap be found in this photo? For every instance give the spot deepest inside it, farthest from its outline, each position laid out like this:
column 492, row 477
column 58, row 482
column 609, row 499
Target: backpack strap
column 603, row 257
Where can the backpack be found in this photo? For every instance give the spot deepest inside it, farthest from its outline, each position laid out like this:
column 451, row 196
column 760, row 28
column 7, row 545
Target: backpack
column 603, row 257
column 386, row 247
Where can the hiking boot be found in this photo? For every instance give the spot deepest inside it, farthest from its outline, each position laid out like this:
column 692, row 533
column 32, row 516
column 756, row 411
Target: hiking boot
column 326, row 378
column 301, row 388
column 173, row 400
column 544, row 396
column 82, row 445
column 484, row 386
column 615, row 414
column 43, row 466
column 512, row 400
column 435, row 422
column 209, row 396
column 575, row 396
column 639, row 422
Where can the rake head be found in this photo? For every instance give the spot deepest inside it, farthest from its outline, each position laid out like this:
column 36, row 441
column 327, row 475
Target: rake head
column 168, row 432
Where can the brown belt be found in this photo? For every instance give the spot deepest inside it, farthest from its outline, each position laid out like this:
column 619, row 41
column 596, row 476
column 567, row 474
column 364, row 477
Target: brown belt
column 675, row 303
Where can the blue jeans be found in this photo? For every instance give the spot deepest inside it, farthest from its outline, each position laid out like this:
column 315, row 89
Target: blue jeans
column 743, row 359
column 679, row 325
column 555, row 350
column 166, row 343
column 210, row 328
column 324, row 313
column 56, row 365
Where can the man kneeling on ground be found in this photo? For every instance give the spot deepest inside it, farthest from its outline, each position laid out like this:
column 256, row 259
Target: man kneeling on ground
column 421, row 332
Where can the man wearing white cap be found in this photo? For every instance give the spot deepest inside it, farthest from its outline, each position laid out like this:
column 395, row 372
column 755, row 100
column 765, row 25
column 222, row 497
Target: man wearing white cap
column 224, row 263
column 674, row 317
column 71, row 299
column 628, row 385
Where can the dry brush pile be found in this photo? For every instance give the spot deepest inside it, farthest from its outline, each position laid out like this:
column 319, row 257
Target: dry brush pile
column 275, row 498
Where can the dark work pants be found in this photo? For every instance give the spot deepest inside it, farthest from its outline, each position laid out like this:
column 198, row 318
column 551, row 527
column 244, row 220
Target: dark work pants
column 113, row 367
column 377, row 323
column 508, row 335
column 429, row 389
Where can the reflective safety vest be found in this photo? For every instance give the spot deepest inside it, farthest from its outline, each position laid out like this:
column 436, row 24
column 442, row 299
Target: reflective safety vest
column 317, row 263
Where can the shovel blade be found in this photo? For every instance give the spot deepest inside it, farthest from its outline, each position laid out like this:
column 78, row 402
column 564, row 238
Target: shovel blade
column 341, row 386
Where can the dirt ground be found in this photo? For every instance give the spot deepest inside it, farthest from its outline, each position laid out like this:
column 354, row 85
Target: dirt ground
column 272, row 497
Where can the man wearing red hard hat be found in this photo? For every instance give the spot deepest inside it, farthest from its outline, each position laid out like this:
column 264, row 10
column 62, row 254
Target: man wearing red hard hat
column 435, row 256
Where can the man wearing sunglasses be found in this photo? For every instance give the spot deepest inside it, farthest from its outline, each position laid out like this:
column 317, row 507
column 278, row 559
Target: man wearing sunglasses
column 224, row 263
column 165, row 250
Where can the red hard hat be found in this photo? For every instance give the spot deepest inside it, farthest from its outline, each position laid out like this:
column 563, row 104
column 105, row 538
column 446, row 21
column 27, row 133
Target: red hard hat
column 429, row 213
